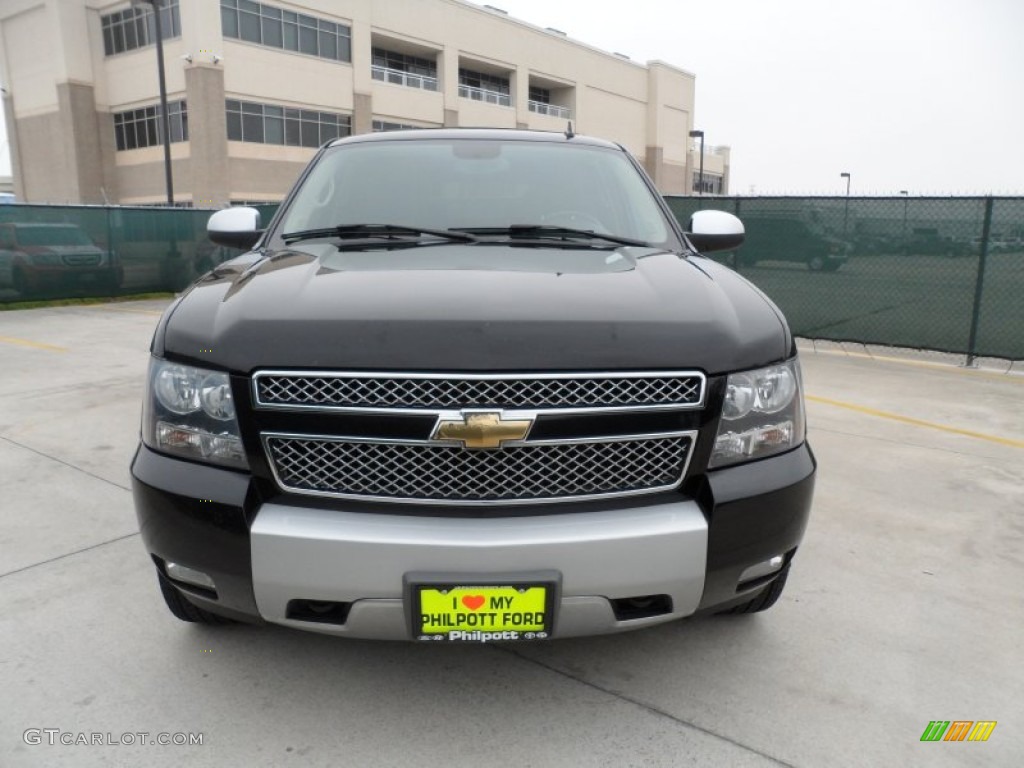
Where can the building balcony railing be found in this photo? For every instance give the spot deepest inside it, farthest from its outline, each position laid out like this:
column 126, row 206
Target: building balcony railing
column 408, row 79
column 482, row 94
column 550, row 109
column 710, row 149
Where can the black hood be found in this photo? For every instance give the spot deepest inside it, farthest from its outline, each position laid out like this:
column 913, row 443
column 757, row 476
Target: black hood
column 474, row 308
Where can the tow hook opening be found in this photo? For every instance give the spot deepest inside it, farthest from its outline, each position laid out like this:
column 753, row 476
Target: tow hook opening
column 642, row 607
column 320, row 611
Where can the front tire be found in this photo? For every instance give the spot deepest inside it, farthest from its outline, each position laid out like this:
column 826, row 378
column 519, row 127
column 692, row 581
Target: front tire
column 110, row 282
column 764, row 600
column 182, row 609
column 20, row 283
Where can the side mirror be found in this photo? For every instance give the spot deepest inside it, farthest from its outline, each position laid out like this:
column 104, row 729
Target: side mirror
column 237, row 227
column 715, row 231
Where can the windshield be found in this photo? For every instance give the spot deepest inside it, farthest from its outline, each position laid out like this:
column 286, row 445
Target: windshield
column 472, row 184
column 52, row 236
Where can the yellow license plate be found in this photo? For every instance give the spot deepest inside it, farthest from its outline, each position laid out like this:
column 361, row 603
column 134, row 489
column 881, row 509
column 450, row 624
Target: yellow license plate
column 482, row 614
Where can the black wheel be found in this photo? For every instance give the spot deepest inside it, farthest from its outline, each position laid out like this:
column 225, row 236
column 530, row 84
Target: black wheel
column 21, row 284
column 179, row 605
column 110, row 282
column 764, row 600
column 816, row 263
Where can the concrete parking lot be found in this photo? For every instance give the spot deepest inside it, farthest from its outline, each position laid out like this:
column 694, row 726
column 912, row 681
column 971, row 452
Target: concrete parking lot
column 904, row 606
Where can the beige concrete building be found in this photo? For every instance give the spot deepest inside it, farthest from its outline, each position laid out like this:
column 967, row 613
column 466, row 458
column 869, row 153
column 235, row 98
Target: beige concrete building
column 716, row 169
column 254, row 87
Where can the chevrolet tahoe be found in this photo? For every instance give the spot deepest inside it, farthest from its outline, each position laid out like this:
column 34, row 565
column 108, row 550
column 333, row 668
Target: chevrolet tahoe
column 472, row 385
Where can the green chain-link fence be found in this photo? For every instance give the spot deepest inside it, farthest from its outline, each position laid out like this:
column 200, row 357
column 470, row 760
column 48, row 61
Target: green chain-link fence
column 54, row 251
column 933, row 273
column 926, row 273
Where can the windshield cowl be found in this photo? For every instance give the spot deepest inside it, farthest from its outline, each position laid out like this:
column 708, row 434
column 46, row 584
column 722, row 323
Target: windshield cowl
column 354, row 236
column 374, row 231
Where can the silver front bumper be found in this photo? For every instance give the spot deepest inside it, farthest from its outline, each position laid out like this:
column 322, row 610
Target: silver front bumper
column 358, row 558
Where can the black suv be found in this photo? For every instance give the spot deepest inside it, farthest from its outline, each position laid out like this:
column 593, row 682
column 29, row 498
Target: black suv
column 472, row 385
column 792, row 238
column 36, row 256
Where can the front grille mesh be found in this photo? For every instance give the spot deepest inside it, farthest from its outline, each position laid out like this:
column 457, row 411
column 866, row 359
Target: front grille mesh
column 342, row 391
column 443, row 473
column 82, row 259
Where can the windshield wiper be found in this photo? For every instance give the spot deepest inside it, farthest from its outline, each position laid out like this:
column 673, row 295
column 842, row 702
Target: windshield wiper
column 550, row 232
column 371, row 231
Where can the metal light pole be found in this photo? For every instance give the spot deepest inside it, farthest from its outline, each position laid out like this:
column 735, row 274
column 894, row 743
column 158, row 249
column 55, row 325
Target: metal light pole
column 846, row 207
column 700, row 178
column 165, row 119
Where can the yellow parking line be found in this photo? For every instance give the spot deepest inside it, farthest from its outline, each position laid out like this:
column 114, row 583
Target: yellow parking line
column 917, row 422
column 949, row 367
column 33, row 344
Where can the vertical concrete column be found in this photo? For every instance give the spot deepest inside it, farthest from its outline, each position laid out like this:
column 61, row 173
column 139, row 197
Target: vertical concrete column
column 725, row 152
column 578, row 107
column 110, row 191
column 448, row 73
column 79, row 132
column 12, row 139
column 520, row 88
column 654, row 151
column 362, row 80
column 208, row 135
column 670, row 97
column 201, row 29
column 362, row 113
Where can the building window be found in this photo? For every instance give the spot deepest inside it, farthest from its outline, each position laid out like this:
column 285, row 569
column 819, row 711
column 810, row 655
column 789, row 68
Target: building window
column 270, row 124
column 136, row 28
column 712, row 184
column 277, row 28
column 139, row 128
column 482, row 87
column 184, row 232
column 540, row 95
column 400, row 69
column 379, row 126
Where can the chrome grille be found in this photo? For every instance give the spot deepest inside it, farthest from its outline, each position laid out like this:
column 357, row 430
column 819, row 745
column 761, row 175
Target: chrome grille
column 424, row 391
column 525, row 473
column 82, row 259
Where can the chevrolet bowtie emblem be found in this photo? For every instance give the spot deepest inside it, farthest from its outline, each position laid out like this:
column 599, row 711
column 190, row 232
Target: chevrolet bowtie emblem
column 481, row 430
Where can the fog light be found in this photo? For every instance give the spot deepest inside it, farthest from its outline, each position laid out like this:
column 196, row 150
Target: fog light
column 760, row 570
column 189, row 576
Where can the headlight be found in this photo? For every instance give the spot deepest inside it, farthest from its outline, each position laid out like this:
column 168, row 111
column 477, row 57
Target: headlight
column 763, row 414
column 190, row 412
column 47, row 259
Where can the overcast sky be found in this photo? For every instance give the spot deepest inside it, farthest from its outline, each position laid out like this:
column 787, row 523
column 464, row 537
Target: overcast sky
column 922, row 95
